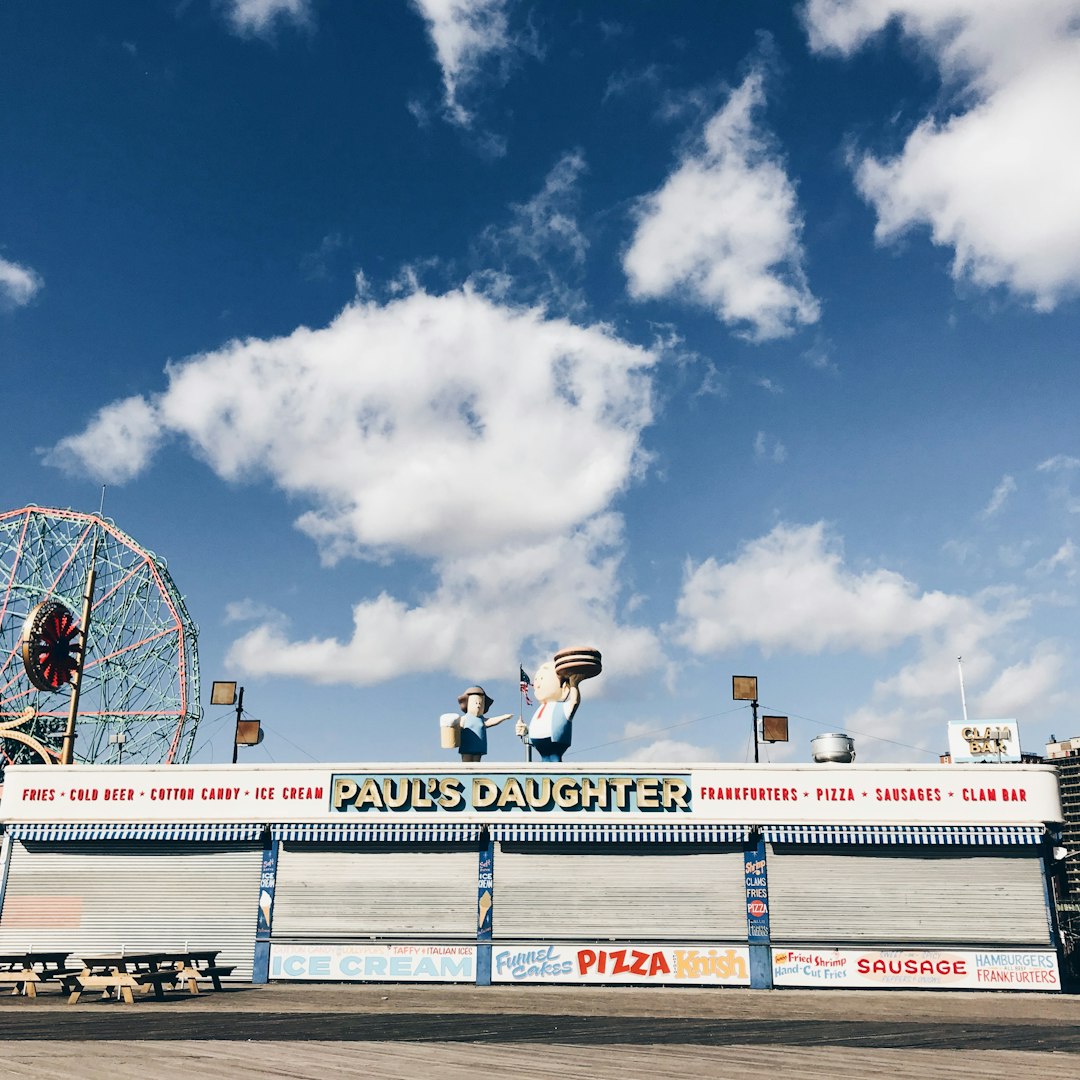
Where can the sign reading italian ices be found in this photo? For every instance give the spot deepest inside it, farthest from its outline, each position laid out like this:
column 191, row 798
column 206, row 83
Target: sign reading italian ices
column 374, row 963
column 968, row 969
column 649, row 964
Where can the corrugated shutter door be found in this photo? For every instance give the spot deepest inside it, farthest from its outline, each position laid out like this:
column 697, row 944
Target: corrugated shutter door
column 357, row 890
column 886, row 895
column 104, row 896
column 651, row 892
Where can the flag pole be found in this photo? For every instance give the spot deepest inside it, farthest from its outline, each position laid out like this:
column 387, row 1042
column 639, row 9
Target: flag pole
column 522, row 691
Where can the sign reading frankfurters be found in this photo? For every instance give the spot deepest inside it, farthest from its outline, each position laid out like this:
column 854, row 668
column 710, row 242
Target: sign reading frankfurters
column 700, row 794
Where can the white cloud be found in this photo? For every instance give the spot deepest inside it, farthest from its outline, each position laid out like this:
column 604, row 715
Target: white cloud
column 259, row 17
column 18, row 284
column 116, row 445
column 791, row 590
column 484, row 608
column 996, row 180
column 466, row 35
column 486, row 438
column 1020, row 689
column 723, row 231
column 1000, row 494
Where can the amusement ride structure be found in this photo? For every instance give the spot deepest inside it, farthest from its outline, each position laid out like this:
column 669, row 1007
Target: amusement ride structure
column 98, row 657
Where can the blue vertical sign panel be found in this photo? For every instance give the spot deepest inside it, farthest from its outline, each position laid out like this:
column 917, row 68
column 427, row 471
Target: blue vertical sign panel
column 267, row 885
column 757, row 912
column 485, row 903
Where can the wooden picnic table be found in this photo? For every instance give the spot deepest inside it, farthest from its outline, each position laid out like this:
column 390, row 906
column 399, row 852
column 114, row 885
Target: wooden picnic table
column 195, row 964
column 127, row 972
column 26, row 970
column 123, row 973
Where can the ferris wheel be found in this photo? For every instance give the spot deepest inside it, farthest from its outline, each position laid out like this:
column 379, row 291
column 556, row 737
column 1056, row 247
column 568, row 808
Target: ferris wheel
column 138, row 692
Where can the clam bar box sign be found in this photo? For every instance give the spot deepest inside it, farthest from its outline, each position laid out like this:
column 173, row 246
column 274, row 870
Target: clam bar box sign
column 647, row 965
column 984, row 740
column 917, row 969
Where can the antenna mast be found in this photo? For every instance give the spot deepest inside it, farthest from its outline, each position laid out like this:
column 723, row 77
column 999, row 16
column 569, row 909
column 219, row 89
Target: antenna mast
column 963, row 700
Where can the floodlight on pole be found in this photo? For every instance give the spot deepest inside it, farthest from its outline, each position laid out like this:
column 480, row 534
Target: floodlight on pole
column 744, row 688
column 248, row 732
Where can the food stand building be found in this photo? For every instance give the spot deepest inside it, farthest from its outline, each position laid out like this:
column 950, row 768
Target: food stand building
column 755, row 875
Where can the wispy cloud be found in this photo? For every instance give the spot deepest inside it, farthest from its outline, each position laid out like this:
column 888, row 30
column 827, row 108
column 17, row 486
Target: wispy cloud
column 769, row 448
column 543, row 247
column 998, row 498
column 261, row 17
column 724, row 230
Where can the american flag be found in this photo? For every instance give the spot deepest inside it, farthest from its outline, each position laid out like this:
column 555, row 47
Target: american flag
column 525, row 683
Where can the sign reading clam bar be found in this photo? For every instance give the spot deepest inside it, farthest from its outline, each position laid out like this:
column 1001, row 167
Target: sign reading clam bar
column 721, row 794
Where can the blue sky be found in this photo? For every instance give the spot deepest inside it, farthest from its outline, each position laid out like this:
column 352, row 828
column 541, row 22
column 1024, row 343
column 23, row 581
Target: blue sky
column 424, row 338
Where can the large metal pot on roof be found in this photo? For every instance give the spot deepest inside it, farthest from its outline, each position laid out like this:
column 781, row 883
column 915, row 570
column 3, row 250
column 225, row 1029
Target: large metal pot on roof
column 837, row 748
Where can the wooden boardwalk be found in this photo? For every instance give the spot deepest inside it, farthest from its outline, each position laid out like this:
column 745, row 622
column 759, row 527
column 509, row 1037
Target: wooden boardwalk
column 325, row 1032
column 62, row 1060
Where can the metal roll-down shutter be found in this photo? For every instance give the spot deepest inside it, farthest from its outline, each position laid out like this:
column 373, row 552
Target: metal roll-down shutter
column 395, row 889
column 105, row 896
column 906, row 895
column 643, row 891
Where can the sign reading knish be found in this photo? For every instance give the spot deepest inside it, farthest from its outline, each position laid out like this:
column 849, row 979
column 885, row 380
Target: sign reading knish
column 516, row 793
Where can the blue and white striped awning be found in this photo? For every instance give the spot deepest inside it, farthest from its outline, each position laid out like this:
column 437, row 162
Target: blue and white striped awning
column 380, row 832
column 644, row 833
column 977, row 835
column 137, row 831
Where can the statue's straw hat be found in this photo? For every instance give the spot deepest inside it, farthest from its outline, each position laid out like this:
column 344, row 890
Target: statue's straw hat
column 463, row 698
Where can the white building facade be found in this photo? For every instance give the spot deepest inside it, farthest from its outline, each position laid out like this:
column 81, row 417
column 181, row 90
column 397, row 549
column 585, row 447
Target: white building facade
column 722, row 875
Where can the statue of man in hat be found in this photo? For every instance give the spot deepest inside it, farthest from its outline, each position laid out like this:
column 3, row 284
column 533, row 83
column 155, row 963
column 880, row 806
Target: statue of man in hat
column 474, row 703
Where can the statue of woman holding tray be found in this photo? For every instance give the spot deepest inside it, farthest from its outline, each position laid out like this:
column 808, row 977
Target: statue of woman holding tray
column 556, row 684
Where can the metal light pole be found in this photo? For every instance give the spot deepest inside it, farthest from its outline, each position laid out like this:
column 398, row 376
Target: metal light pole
column 67, row 746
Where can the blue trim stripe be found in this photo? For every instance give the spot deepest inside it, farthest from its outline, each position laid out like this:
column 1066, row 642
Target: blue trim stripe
column 639, row 834
column 976, row 835
column 379, row 831
column 136, row 831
